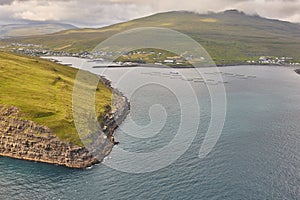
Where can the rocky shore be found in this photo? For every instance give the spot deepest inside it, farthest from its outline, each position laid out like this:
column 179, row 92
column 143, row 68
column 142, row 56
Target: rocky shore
column 24, row 139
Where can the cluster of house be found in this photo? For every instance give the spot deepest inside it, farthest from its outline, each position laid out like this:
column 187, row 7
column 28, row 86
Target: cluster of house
column 160, row 58
column 47, row 52
column 179, row 60
column 271, row 60
column 20, row 46
column 37, row 50
column 24, row 45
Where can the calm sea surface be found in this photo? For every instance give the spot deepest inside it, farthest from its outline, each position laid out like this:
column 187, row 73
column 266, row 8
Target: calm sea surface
column 256, row 157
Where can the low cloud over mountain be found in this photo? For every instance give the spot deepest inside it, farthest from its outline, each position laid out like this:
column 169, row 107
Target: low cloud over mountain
column 105, row 12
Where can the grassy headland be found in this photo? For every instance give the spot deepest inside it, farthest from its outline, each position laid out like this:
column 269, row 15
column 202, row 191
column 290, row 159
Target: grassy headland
column 43, row 92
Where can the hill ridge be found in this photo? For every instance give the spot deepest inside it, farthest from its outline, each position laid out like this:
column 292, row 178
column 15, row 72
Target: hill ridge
column 230, row 37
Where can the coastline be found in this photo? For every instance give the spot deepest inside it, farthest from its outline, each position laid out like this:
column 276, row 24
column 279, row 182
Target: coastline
column 26, row 140
column 133, row 64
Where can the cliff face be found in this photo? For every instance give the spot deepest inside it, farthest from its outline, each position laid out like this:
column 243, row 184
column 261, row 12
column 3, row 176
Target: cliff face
column 24, row 139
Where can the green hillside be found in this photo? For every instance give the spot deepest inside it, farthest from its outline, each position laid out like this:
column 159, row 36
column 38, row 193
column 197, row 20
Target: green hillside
column 16, row 30
column 229, row 37
column 43, row 92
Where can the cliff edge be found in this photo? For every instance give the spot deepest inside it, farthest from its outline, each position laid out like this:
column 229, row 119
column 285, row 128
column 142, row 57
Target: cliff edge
column 26, row 140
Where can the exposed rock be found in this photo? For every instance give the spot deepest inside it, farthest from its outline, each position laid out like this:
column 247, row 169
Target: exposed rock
column 24, row 139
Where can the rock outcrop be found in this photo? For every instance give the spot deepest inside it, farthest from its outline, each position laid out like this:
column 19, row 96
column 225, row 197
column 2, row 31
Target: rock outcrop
column 24, row 139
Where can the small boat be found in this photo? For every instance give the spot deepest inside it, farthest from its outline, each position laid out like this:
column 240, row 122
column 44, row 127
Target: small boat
column 242, row 77
column 209, row 83
column 175, row 77
column 198, row 81
column 155, row 74
column 224, row 82
column 187, row 79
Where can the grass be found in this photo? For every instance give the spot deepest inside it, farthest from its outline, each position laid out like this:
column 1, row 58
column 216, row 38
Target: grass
column 15, row 30
column 43, row 92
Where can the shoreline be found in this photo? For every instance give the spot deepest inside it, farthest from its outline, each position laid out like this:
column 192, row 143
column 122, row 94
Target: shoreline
column 25, row 140
column 134, row 65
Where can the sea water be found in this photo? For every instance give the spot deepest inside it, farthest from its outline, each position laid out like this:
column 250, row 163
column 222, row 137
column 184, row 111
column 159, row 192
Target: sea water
column 256, row 157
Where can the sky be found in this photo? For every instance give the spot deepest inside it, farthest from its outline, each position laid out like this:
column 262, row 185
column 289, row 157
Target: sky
column 98, row 13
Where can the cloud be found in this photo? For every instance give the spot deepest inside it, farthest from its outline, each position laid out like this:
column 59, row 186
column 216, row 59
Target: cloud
column 6, row 2
column 90, row 12
column 279, row 9
column 105, row 12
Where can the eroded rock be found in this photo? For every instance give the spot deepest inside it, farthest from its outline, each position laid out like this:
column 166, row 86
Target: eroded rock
column 24, row 139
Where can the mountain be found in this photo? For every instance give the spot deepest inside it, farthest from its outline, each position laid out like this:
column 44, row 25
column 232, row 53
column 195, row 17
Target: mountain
column 34, row 28
column 230, row 37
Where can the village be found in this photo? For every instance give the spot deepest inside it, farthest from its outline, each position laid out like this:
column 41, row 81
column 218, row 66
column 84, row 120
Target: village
column 138, row 56
column 272, row 60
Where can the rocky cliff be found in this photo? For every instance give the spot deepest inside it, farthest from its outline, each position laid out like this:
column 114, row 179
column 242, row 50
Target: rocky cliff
column 24, row 139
